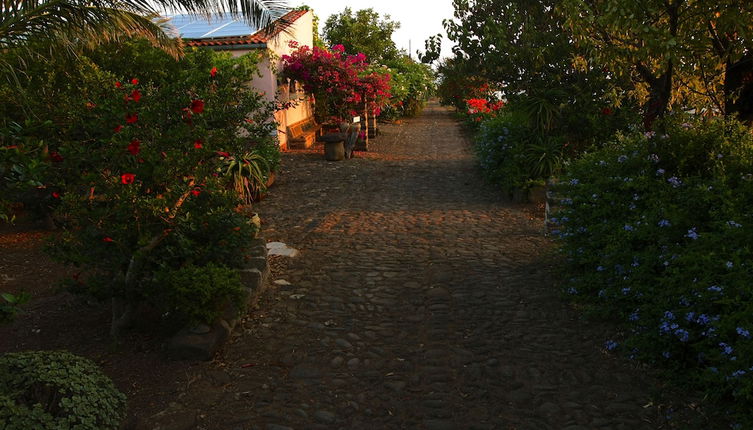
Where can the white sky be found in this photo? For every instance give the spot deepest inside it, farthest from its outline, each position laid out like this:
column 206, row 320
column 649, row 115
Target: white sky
column 418, row 19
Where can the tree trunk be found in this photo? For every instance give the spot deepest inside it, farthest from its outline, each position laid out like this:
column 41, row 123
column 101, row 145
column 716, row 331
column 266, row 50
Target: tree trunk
column 738, row 89
column 659, row 98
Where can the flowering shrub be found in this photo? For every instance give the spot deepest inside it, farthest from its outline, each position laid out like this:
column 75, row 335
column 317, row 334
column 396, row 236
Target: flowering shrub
column 479, row 110
column 141, row 191
column 343, row 85
column 655, row 231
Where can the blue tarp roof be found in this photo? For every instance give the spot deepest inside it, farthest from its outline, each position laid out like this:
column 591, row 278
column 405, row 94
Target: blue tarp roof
column 192, row 27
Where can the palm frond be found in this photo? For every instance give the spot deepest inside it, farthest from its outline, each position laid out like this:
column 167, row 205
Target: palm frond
column 90, row 22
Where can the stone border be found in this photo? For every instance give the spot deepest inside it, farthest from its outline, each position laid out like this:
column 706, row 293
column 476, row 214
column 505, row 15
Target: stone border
column 200, row 343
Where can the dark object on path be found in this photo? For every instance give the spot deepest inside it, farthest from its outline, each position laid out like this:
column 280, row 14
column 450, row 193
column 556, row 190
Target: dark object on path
column 334, row 149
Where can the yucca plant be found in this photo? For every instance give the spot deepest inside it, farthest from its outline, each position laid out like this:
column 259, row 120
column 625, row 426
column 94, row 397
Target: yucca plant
column 249, row 174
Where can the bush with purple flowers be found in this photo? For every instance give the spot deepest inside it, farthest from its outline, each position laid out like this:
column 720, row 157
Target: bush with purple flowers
column 670, row 260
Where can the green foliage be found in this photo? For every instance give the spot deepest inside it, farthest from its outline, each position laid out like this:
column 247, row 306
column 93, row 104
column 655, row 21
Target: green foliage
column 509, row 156
column 363, row 31
column 433, row 49
column 9, row 305
column 270, row 152
column 412, row 84
column 686, row 54
column 196, row 294
column 520, row 44
column 56, row 390
column 655, row 233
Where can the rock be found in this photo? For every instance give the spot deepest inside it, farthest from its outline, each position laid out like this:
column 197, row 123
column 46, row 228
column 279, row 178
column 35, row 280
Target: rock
column 336, row 362
column 173, row 420
column 258, row 263
column 324, row 416
column 251, row 278
column 281, row 249
column 343, row 343
column 200, row 329
column 305, row 371
column 549, row 408
column 282, row 282
column 439, row 425
column 353, row 363
column 395, row 385
column 189, row 346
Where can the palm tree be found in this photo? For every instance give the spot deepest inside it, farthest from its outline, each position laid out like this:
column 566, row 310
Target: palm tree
column 74, row 23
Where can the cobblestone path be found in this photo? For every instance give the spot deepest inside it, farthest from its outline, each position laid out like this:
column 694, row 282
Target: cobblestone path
column 421, row 299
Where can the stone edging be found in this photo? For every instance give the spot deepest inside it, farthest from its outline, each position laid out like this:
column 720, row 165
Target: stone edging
column 200, row 343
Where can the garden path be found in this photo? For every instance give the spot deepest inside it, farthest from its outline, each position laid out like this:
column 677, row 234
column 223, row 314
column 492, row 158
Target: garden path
column 421, row 299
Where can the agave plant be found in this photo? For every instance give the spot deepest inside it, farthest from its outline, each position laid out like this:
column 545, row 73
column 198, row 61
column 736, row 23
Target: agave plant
column 249, row 175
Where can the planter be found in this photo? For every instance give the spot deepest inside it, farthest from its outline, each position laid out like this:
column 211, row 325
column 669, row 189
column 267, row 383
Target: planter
column 334, row 151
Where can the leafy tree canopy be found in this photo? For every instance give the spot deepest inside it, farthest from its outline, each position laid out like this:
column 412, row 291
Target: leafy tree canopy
column 363, row 31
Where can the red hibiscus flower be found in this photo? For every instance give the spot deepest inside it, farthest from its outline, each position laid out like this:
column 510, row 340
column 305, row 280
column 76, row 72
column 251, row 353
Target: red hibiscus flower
column 135, row 81
column 107, row 239
column 118, row 85
column 213, row 72
column 131, row 118
column 118, row 128
column 223, row 154
column 606, row 111
column 134, row 147
column 196, row 192
column 56, row 194
column 197, row 106
column 56, row 157
column 136, row 95
column 198, row 144
column 127, row 178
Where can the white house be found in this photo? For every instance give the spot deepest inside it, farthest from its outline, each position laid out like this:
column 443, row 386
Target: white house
column 238, row 38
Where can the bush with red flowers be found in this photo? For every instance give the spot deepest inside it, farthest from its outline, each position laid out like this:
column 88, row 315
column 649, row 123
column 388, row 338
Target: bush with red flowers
column 136, row 176
column 343, row 85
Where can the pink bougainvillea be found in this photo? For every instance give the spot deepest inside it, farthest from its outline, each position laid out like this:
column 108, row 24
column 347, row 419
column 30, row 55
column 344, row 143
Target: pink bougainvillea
column 341, row 84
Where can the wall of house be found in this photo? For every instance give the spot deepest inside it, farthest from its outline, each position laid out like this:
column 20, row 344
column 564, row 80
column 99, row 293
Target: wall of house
column 300, row 31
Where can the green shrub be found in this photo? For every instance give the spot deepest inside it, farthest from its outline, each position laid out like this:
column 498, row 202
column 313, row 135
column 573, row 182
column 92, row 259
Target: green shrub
column 9, row 305
column 511, row 156
column 412, row 84
column 196, row 294
column 56, row 390
column 655, row 234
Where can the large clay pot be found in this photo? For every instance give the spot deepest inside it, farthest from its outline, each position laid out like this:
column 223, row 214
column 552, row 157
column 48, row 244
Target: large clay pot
column 334, row 151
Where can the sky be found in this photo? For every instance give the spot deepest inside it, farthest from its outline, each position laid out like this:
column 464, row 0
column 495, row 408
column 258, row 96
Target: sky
column 418, row 19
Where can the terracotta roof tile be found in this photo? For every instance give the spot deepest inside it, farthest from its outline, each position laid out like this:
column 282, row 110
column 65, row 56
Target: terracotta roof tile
column 258, row 38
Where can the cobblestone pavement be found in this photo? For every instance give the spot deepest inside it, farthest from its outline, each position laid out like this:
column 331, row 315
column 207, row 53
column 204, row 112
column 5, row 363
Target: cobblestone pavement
column 421, row 299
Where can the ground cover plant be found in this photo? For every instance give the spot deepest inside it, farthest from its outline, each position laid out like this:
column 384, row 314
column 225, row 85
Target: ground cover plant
column 51, row 390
